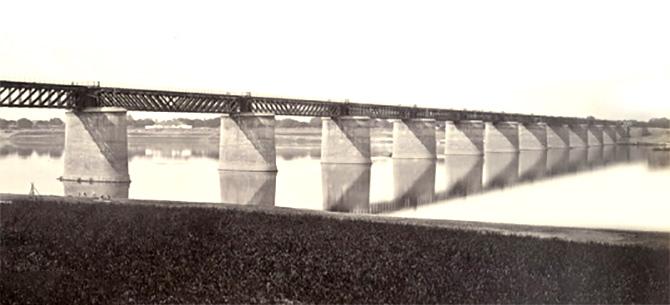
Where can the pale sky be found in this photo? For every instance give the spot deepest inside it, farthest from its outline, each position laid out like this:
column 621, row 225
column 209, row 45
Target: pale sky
column 609, row 59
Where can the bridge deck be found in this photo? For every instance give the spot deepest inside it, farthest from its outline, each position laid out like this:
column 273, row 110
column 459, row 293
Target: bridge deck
column 42, row 95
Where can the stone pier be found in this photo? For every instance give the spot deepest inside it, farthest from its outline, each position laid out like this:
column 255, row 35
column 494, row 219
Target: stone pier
column 609, row 135
column 96, row 146
column 621, row 134
column 558, row 136
column 414, row 139
column 248, row 187
column 247, row 142
column 346, row 187
column 533, row 136
column 594, row 135
column 345, row 140
column 464, row 138
column 501, row 137
column 578, row 135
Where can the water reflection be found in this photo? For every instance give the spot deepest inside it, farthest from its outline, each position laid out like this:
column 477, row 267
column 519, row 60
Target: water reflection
column 621, row 153
column 658, row 159
column 577, row 159
column 249, row 188
column 346, row 187
column 103, row 190
column 594, row 156
column 463, row 175
column 413, row 182
column 609, row 154
column 177, row 171
column 25, row 151
column 557, row 161
column 532, row 164
column 172, row 151
column 500, row 170
column 636, row 154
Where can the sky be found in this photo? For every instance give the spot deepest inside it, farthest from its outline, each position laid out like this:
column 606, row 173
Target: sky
column 609, row 59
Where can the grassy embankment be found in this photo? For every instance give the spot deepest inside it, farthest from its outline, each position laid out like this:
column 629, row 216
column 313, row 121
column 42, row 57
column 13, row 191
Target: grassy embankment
column 58, row 252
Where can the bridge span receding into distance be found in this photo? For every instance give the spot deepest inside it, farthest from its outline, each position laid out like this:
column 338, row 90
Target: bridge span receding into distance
column 96, row 137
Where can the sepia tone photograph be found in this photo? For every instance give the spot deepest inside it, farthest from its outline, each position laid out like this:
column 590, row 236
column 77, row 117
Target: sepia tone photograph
column 334, row 152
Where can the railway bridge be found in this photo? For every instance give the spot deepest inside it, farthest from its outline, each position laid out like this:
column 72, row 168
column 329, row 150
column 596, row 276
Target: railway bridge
column 96, row 137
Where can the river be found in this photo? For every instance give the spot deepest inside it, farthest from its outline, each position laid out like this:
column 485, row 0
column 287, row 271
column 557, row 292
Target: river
column 615, row 186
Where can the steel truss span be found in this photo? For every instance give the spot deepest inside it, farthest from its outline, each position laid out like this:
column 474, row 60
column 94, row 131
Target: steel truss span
column 42, row 95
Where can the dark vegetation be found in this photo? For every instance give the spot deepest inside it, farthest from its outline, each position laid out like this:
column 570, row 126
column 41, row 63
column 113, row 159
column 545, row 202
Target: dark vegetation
column 24, row 123
column 65, row 253
column 660, row 122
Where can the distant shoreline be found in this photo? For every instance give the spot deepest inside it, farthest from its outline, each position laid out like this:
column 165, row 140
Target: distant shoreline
column 658, row 136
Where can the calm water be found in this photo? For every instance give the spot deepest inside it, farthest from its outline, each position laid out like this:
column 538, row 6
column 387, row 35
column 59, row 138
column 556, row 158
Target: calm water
column 621, row 187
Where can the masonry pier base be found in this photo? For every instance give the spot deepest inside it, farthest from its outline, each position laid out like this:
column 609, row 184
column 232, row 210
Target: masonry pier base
column 345, row 140
column 247, row 142
column 501, row 137
column 464, row 138
column 96, row 145
column 414, row 139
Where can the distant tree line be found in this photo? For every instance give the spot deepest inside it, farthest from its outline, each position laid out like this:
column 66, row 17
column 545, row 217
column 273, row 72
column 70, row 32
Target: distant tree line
column 215, row 123
column 24, row 123
column 660, row 122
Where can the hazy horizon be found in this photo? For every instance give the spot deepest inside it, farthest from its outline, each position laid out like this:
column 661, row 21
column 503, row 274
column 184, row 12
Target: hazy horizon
column 607, row 59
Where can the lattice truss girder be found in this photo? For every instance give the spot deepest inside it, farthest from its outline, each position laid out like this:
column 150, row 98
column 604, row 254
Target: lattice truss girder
column 293, row 107
column 140, row 100
column 21, row 94
column 18, row 95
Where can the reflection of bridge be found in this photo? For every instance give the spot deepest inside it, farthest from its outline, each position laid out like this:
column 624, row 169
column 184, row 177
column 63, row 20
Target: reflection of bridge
column 346, row 187
column 469, row 175
column 96, row 144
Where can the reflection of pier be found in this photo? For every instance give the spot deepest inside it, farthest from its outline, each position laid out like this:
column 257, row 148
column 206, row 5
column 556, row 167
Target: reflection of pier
column 577, row 159
column 413, row 181
column 658, row 159
column 621, row 154
column 500, row 169
column 609, row 154
column 471, row 174
column 532, row 164
column 557, row 161
column 594, row 156
column 246, row 187
column 346, row 187
column 637, row 154
column 102, row 190
column 464, row 175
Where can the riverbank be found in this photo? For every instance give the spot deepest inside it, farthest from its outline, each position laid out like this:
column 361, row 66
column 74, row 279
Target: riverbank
column 150, row 252
column 656, row 136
